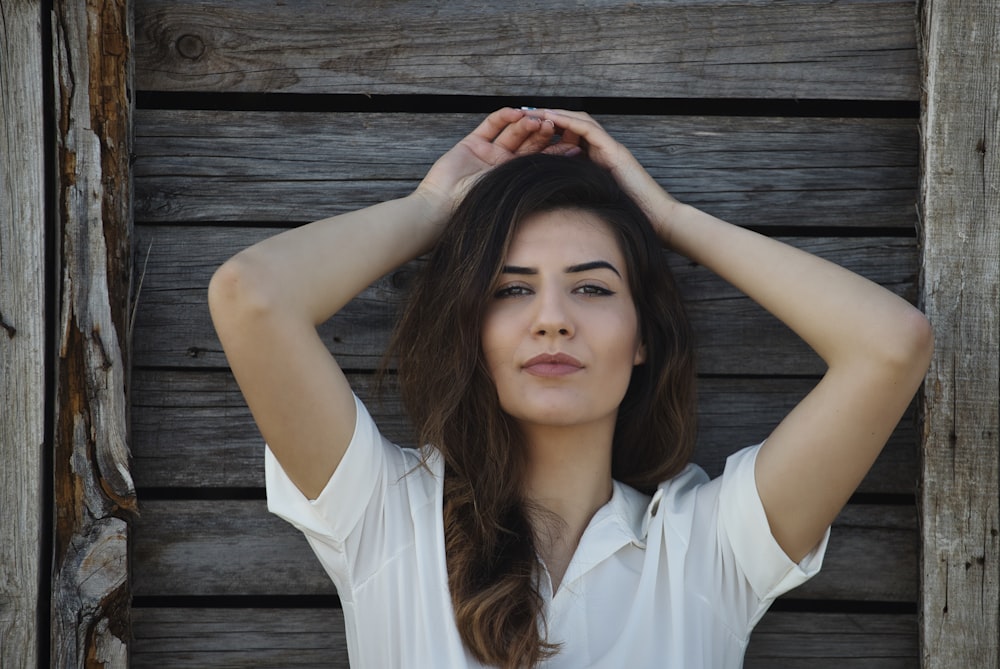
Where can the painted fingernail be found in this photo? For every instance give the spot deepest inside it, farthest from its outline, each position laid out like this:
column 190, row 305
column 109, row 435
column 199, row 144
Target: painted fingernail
column 527, row 109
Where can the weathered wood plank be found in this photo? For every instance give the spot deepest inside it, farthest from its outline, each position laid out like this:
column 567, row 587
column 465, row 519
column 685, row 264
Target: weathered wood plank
column 735, row 336
column 207, row 638
column 960, row 207
column 802, row 49
column 285, row 168
column 22, row 331
column 303, row 638
column 833, row 641
column 93, row 487
column 235, row 547
column 192, row 429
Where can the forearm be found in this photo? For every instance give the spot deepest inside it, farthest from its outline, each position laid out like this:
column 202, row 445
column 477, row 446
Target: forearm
column 842, row 316
column 312, row 271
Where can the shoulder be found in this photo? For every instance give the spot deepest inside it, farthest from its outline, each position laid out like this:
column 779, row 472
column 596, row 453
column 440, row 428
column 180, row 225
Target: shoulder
column 375, row 477
column 691, row 501
column 723, row 519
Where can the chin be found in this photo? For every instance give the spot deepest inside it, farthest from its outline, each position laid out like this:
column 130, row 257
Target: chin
column 557, row 415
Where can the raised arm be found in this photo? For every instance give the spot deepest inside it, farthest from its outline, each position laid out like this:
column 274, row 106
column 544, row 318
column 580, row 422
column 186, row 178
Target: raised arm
column 876, row 345
column 267, row 300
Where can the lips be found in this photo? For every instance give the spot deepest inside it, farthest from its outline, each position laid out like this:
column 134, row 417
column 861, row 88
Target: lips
column 552, row 364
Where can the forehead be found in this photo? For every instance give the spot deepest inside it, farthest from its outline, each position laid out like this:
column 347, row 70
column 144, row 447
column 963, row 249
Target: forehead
column 570, row 233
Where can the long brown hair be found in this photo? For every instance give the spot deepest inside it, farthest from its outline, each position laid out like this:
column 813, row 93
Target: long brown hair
column 489, row 538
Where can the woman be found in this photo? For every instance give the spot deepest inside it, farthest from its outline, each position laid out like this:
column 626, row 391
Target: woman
column 545, row 359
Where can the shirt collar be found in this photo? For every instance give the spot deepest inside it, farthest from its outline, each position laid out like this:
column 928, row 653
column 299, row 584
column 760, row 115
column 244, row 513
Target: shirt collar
column 617, row 524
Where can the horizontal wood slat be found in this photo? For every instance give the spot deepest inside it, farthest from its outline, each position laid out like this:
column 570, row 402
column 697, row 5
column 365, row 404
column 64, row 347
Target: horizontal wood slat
column 192, row 429
column 312, row 638
column 207, row 638
column 235, row 547
column 294, row 167
column 735, row 336
column 833, row 641
column 736, row 49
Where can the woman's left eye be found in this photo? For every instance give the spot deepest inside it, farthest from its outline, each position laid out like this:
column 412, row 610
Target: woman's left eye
column 591, row 289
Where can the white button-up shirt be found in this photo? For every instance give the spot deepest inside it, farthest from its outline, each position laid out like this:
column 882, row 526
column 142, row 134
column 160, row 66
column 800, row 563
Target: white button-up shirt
column 677, row 580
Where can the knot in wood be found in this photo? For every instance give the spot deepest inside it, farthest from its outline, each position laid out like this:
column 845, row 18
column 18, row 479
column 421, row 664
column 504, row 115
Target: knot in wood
column 191, row 47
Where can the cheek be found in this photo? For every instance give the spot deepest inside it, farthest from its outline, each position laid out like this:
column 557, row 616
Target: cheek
column 492, row 340
column 625, row 333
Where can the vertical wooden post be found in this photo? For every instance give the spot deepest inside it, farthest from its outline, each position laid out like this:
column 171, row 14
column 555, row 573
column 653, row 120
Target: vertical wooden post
column 94, row 494
column 22, row 331
column 960, row 211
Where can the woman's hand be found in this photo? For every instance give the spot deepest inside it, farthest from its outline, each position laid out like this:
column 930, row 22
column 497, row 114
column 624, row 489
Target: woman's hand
column 504, row 134
column 579, row 131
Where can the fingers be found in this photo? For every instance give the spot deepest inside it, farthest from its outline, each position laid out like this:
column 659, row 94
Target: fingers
column 538, row 140
column 509, row 132
column 508, row 128
column 530, row 134
column 495, row 123
column 578, row 128
column 581, row 130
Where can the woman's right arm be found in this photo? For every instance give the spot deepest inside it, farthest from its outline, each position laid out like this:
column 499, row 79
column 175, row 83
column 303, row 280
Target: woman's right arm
column 267, row 300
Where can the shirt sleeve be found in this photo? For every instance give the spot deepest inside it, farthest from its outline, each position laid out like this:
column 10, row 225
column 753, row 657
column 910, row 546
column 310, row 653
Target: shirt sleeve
column 743, row 524
column 363, row 512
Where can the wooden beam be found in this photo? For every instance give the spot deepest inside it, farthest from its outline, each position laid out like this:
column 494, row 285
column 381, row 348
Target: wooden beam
column 192, row 429
column 94, row 494
column 234, row 548
column 960, row 207
column 794, row 49
column 304, row 638
column 22, row 331
column 286, row 167
column 734, row 335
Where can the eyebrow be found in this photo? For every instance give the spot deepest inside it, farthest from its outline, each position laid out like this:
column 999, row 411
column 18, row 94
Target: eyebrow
column 572, row 269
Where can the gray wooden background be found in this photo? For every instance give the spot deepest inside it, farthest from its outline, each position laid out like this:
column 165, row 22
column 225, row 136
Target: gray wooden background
column 796, row 118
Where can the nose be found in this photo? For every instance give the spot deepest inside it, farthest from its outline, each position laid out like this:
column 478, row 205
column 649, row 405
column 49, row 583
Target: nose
column 552, row 315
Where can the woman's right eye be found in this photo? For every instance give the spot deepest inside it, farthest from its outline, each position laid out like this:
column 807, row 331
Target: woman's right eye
column 512, row 291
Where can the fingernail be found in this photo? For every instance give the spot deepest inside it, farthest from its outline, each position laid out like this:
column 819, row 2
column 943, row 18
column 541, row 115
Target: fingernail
column 575, row 151
column 527, row 109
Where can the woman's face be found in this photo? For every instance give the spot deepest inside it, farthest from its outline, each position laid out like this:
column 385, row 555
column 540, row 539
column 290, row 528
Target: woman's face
column 561, row 334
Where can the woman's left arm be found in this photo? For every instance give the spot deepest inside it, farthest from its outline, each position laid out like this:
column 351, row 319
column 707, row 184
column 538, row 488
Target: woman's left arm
column 876, row 345
column 877, row 348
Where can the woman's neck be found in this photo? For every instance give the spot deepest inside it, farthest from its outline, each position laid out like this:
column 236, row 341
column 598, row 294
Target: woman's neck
column 568, row 479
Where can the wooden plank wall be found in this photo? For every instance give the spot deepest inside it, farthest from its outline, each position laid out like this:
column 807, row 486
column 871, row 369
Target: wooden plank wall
column 22, row 334
column 960, row 212
column 795, row 118
column 93, row 493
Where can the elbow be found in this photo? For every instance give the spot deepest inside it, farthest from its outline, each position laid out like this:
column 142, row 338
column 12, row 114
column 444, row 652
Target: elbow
column 922, row 337
column 912, row 346
column 238, row 291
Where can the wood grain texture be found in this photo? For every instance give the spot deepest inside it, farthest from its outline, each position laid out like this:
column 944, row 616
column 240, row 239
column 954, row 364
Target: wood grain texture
column 734, row 335
column 833, row 641
column 22, row 331
column 235, row 547
column 960, row 207
column 288, row 168
column 297, row 638
column 798, row 49
column 93, row 490
column 192, row 429
column 312, row 638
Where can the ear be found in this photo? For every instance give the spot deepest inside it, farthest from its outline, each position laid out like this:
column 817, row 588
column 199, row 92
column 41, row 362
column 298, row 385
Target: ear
column 640, row 355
